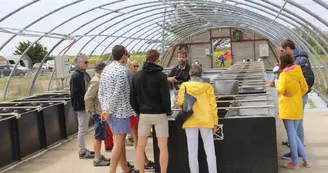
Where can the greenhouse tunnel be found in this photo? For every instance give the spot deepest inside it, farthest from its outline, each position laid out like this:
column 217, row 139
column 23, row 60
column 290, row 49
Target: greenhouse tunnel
column 94, row 27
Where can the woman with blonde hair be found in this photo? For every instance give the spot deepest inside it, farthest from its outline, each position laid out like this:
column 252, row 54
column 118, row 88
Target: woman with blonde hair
column 291, row 88
column 134, row 120
column 203, row 120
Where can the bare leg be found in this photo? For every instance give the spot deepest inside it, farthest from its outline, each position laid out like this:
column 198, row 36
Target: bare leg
column 134, row 133
column 97, row 147
column 123, row 161
column 142, row 143
column 163, row 153
column 119, row 144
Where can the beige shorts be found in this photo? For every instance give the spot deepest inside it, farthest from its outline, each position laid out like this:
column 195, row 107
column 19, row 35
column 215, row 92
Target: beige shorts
column 160, row 121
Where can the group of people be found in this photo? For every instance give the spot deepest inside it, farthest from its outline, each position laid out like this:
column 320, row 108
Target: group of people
column 132, row 101
column 293, row 81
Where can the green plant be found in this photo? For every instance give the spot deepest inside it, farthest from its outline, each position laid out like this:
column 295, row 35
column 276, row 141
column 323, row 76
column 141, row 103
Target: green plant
column 36, row 53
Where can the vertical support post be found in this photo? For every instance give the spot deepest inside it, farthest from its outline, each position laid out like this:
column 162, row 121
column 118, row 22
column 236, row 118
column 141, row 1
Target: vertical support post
column 163, row 27
column 231, row 47
column 254, row 47
column 211, row 49
column 189, row 49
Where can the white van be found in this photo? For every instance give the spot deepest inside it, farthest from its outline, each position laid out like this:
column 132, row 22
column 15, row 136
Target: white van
column 50, row 64
column 24, row 64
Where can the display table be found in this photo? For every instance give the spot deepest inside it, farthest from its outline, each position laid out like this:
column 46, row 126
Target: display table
column 247, row 145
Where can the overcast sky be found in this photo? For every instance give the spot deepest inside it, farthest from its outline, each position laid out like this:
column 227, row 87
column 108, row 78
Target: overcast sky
column 31, row 13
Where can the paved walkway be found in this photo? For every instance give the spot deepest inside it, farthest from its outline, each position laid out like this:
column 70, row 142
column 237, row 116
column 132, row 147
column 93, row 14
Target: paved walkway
column 64, row 159
column 316, row 140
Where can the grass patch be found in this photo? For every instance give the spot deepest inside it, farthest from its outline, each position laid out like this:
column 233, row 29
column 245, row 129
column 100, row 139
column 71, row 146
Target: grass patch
column 20, row 87
column 217, row 63
column 311, row 104
column 324, row 58
column 140, row 57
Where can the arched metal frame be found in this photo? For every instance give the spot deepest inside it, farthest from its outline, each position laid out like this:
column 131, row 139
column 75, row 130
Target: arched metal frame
column 208, row 15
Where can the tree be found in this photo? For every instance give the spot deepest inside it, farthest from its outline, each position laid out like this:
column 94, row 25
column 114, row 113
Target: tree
column 36, row 53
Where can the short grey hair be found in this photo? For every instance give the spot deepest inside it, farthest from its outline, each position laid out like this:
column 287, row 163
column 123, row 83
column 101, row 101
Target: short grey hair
column 99, row 66
column 81, row 57
column 196, row 71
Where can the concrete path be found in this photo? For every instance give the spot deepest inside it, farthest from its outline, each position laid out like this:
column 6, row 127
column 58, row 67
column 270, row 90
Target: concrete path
column 64, row 159
column 316, row 140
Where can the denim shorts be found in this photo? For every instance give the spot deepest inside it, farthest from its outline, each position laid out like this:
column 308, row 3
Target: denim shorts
column 100, row 127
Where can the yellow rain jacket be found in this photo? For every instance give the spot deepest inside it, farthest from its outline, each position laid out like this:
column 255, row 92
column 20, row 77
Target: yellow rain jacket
column 292, row 81
column 205, row 109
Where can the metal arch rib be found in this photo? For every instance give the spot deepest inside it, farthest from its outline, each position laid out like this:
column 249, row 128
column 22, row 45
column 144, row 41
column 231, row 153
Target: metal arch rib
column 109, row 45
column 39, row 68
column 245, row 28
column 104, row 22
column 39, row 19
column 322, row 3
column 183, row 26
column 9, row 78
column 111, row 27
column 98, row 26
column 101, row 25
column 87, row 11
column 126, row 37
column 78, row 15
column 308, row 12
column 288, row 17
column 292, row 23
column 228, row 26
column 299, row 17
column 118, row 23
column 17, row 10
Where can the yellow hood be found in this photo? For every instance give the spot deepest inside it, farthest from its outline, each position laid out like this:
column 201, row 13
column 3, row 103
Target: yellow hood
column 293, row 72
column 205, row 108
column 197, row 88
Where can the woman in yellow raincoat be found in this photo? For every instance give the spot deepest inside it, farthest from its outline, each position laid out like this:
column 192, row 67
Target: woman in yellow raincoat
column 291, row 87
column 204, row 119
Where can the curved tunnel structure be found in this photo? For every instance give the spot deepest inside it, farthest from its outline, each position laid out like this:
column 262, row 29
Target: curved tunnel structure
column 93, row 27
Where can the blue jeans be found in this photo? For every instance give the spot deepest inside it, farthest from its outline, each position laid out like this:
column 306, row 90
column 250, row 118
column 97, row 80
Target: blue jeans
column 300, row 128
column 296, row 146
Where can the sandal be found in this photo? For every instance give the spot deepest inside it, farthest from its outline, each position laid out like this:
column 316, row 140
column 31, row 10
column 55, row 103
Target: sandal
column 150, row 165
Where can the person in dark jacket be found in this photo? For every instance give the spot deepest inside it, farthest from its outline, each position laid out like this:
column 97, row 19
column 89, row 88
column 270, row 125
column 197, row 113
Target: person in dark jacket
column 150, row 99
column 78, row 87
column 301, row 59
column 179, row 73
